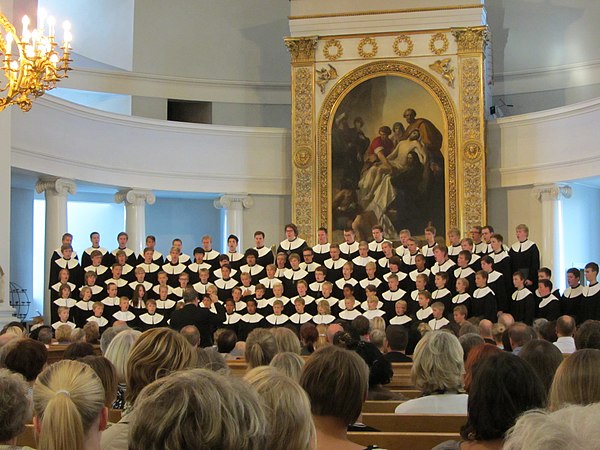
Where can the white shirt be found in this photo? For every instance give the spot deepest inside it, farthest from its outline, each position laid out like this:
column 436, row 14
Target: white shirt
column 566, row 344
column 435, row 404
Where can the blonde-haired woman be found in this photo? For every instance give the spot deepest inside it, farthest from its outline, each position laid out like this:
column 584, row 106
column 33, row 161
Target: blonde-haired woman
column 287, row 407
column 118, row 354
column 289, row 364
column 199, row 409
column 287, row 340
column 577, row 380
column 156, row 354
column 261, row 347
column 68, row 407
column 437, row 371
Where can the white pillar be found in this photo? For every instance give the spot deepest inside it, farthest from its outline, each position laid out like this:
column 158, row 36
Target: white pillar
column 232, row 219
column 55, row 192
column 551, row 196
column 6, row 311
column 135, row 215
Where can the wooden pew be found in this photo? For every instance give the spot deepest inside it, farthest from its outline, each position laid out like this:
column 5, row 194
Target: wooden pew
column 380, row 406
column 401, row 378
column 401, row 441
column 114, row 415
column 430, row 423
column 408, row 393
column 238, row 367
column 56, row 352
column 27, row 437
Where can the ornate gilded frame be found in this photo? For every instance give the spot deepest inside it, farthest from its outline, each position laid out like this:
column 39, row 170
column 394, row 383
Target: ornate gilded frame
column 337, row 94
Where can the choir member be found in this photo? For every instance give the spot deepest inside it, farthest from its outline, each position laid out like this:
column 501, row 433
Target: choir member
column 291, row 243
column 98, row 316
column 375, row 250
column 427, row 249
column 239, row 303
column 300, row 316
column 573, row 294
column 424, row 313
column 361, row 260
column 164, row 304
column 278, row 318
column 63, row 278
column 486, row 235
column 590, row 301
column 174, row 266
column 420, row 285
column 403, row 248
column 281, row 265
column 483, row 300
column 210, row 255
column 122, row 239
column 293, row 275
column 124, row 315
column 420, row 269
column 225, row 284
column 442, row 264
column 544, row 273
column 479, row 247
column 270, row 280
column 91, row 281
column 236, row 259
column 349, row 248
column 321, row 249
column 383, row 263
column 522, row 306
column 246, row 285
column 400, row 318
column 184, row 283
column 197, row 264
column 442, row 293
column 309, row 264
column 232, row 316
column 140, row 278
column 67, row 261
column 373, row 308
column 317, row 286
column 117, row 280
column 501, row 260
column 459, row 314
column 64, row 300
column 139, row 299
column 462, row 296
column 95, row 265
column 350, row 310
column 475, row 261
column 392, row 295
column 496, row 283
column 256, row 271
column 334, row 264
column 278, row 295
column 371, row 295
column 63, row 318
column 346, row 278
column 151, row 319
column 549, row 306
column 149, row 266
column 454, row 246
column 250, row 321
column 310, row 304
column 408, row 260
column 202, row 285
column 438, row 320
column 127, row 270
column 326, row 294
column 66, row 239
column 323, row 316
column 83, row 308
column 525, row 256
column 463, row 269
column 111, row 301
column 157, row 257
column 183, row 258
column 265, row 254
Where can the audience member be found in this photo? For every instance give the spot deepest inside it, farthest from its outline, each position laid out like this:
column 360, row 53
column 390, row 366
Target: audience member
column 565, row 329
column 68, row 407
column 308, row 338
column 437, row 371
column 395, row 344
column 107, row 374
column 226, row 342
column 485, row 331
column 191, row 333
column 336, row 381
column 469, row 341
column 261, row 347
column 519, row 335
column 78, row 350
column 544, row 358
column 63, row 334
column 498, row 331
column 286, row 340
column 289, row 364
column 287, row 409
column 577, row 380
column 156, row 353
column 210, row 359
column 15, row 408
column 198, row 409
column 573, row 427
column 77, row 335
column 476, row 355
column 92, row 333
column 27, row 357
column 588, row 335
column 118, row 354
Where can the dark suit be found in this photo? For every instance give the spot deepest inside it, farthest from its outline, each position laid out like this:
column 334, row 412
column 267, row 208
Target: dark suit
column 394, row 357
column 201, row 318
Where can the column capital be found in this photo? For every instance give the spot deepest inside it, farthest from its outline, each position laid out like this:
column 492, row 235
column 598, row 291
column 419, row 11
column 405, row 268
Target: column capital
column 551, row 192
column 137, row 197
column 234, row 201
column 302, row 49
column 55, row 185
column 472, row 39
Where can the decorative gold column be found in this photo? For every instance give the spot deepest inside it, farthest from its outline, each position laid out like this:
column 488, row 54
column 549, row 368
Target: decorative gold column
column 471, row 162
column 304, row 214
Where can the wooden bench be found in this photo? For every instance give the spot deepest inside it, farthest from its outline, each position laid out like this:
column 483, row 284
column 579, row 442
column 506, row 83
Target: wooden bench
column 401, row 441
column 430, row 423
column 57, row 351
column 401, row 378
column 380, row 406
column 408, row 393
column 238, row 367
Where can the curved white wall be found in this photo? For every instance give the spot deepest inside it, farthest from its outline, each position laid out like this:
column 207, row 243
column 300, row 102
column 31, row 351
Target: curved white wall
column 62, row 139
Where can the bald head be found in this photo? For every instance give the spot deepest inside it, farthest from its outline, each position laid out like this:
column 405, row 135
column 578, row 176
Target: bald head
column 565, row 326
column 506, row 319
column 332, row 330
column 485, row 329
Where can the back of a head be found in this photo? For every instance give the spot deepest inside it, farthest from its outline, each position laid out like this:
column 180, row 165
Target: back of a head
column 226, row 341
column 588, row 335
column 119, row 349
column 438, row 363
column 377, row 338
column 68, row 398
column 468, row 328
column 336, row 381
column 77, row 335
column 468, row 341
column 286, row 340
column 77, row 350
column 476, row 355
column 199, row 409
column 397, row 337
column 27, row 357
column 191, row 333
column 287, row 408
column 261, row 347
column 503, row 387
column 15, row 408
column 577, row 380
column 361, row 325
column 107, row 374
column 44, row 335
column 485, row 328
column 544, row 357
column 92, row 333
column 565, row 326
column 157, row 353
column 573, row 427
column 211, row 359
column 289, row 364
column 519, row 334
column 107, row 338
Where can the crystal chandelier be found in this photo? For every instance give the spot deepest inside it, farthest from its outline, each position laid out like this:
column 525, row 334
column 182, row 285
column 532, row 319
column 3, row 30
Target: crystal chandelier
column 36, row 65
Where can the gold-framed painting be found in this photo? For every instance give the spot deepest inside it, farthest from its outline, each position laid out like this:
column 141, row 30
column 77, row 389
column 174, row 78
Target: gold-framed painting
column 387, row 152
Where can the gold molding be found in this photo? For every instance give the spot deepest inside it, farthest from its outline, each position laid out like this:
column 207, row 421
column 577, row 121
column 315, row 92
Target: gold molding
column 368, row 41
column 471, row 40
column 434, row 48
column 383, row 11
column 333, row 43
column 336, row 95
column 403, row 38
column 302, row 49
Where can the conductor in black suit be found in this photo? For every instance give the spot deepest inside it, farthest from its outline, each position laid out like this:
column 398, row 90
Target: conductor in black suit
column 191, row 314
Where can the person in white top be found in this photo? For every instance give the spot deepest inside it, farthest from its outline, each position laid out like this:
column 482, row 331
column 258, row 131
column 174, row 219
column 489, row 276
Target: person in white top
column 565, row 329
column 438, row 371
column 124, row 314
column 438, row 321
column 63, row 318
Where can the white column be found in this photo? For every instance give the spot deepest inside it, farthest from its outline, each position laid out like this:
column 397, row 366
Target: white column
column 6, row 311
column 55, row 192
column 232, row 219
column 551, row 197
column 135, row 215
